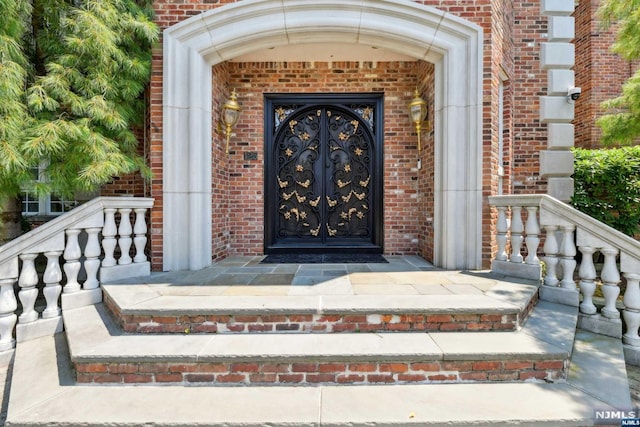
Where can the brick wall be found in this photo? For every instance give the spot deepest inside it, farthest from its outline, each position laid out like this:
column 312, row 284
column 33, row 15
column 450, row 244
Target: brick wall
column 529, row 83
column 599, row 72
column 403, row 204
column 222, row 194
column 425, row 175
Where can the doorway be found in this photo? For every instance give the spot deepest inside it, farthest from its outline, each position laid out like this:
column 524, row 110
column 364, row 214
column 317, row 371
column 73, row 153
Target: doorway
column 323, row 173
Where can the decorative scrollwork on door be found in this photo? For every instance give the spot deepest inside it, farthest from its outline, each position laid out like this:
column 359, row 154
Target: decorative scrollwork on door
column 297, row 153
column 323, row 166
column 349, row 177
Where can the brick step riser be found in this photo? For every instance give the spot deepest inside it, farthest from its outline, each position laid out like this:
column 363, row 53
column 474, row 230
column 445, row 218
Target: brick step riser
column 317, row 322
column 303, row 373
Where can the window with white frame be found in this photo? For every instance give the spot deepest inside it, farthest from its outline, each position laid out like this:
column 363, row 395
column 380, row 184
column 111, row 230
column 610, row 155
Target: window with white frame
column 50, row 205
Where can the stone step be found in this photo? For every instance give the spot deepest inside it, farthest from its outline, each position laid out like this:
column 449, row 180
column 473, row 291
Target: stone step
column 43, row 393
column 101, row 353
column 156, row 308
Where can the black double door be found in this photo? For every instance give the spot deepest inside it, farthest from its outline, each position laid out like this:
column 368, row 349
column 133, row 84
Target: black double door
column 323, row 174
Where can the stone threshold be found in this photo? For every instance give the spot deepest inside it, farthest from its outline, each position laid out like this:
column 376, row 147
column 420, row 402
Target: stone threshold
column 148, row 309
column 101, row 353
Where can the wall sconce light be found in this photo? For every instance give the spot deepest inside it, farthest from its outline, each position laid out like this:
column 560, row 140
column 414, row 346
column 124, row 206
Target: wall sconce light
column 418, row 113
column 229, row 116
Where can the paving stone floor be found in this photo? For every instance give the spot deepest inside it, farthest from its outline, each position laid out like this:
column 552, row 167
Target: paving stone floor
column 633, row 373
column 246, row 276
column 5, row 382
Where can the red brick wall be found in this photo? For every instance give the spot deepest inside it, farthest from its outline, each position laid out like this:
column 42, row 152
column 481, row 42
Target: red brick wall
column 599, row 72
column 403, row 213
column 425, row 75
column 529, row 83
column 222, row 175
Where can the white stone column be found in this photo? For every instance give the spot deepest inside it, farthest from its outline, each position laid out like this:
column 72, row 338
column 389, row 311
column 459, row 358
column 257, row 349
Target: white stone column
column 8, row 306
column 568, row 260
column 532, row 240
column 557, row 56
column 140, row 232
column 124, row 236
column 631, row 313
column 28, row 291
column 109, row 231
column 517, row 228
column 501, row 237
column 587, row 274
column 72, row 254
column 610, row 280
column 551, row 250
column 52, row 289
column 92, row 261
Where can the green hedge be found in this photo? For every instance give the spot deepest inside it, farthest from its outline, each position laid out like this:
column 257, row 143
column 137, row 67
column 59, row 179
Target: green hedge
column 607, row 186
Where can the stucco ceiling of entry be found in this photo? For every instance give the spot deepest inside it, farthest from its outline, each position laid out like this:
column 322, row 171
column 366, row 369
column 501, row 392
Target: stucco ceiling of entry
column 322, row 52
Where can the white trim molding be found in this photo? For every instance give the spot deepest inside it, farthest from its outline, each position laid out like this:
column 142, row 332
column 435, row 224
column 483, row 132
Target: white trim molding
column 193, row 46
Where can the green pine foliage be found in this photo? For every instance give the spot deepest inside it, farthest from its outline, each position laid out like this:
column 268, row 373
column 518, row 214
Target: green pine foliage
column 607, row 186
column 621, row 125
column 13, row 77
column 83, row 67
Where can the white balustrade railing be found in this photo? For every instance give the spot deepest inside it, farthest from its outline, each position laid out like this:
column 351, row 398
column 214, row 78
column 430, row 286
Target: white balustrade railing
column 567, row 232
column 90, row 244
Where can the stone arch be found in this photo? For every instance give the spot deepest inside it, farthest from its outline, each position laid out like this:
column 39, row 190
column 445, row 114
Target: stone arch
column 193, row 46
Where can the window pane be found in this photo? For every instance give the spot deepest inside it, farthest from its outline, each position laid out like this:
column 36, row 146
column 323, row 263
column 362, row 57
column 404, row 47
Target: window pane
column 30, row 204
column 58, row 205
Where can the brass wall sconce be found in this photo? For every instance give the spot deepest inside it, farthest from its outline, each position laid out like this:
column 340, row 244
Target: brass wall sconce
column 229, row 116
column 418, row 113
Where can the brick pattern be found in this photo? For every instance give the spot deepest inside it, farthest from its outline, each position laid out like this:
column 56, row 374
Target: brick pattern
column 319, row 323
column 402, row 203
column 595, row 64
column 315, row 373
column 529, row 83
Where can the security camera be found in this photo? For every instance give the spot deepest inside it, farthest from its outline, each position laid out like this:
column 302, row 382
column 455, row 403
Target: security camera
column 573, row 94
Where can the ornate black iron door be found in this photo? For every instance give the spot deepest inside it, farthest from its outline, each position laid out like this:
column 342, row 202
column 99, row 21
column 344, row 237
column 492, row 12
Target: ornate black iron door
column 323, row 177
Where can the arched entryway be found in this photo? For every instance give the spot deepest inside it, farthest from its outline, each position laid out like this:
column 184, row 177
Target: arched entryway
column 453, row 45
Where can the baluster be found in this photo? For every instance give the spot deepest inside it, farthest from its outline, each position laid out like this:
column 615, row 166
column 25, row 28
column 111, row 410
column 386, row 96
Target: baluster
column 631, row 312
column 501, row 238
column 28, row 291
column 140, row 239
column 124, row 233
column 532, row 240
column 109, row 231
column 517, row 227
column 72, row 254
column 550, row 249
column 92, row 263
column 587, row 274
column 568, row 260
column 8, row 306
column 610, row 279
column 52, row 289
